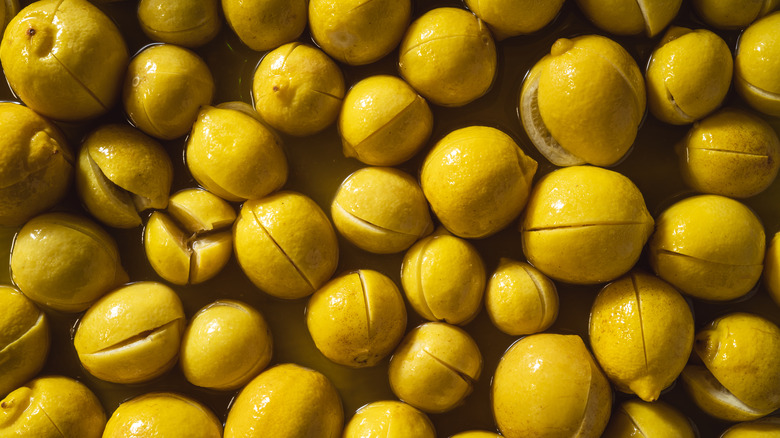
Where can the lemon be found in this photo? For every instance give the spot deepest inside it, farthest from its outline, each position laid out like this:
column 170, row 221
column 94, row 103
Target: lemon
column 508, row 18
column 286, row 245
column 549, row 385
column 132, row 334
column 688, row 75
column 52, row 407
column 357, row 319
column 772, row 269
column 233, row 155
column 583, row 102
column 122, row 172
column 286, row 401
column 448, row 55
column 630, row 17
column 764, row 428
column 265, row 24
column 435, row 367
column 24, row 339
column 298, row 89
column 65, row 262
column 8, row 8
column 732, row 153
column 477, row 180
column 36, row 164
column 383, row 121
column 389, row 419
column 757, row 65
column 740, row 379
column 519, row 299
column 476, row 434
column 635, row 418
column 733, row 14
column 44, row 61
column 189, row 23
column 641, row 332
column 444, row 278
column 585, row 225
column 709, row 247
column 381, row 210
column 163, row 415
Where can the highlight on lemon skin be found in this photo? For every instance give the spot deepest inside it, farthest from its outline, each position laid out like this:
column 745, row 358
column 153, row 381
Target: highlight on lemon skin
column 507, row 18
column 756, row 71
column 630, row 17
column 163, row 414
column 265, row 24
column 24, row 339
column 392, row 419
column 768, row 427
column 732, row 14
column 648, row 420
column 188, row 23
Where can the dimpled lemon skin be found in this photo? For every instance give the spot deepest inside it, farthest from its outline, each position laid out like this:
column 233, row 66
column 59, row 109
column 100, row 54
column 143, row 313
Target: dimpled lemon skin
column 549, row 385
column 635, row 418
column 709, row 247
column 630, row 17
column 448, row 55
column 508, row 18
column 764, row 428
column 24, row 339
column 585, row 225
column 65, row 262
column 189, row 23
column 731, row 153
column 286, row 401
column 265, row 24
column 52, row 407
column 162, row 415
column 164, row 89
column 389, row 419
column 641, row 332
column 757, row 65
column 36, row 164
column 64, row 59
column 733, row 14
column 477, row 180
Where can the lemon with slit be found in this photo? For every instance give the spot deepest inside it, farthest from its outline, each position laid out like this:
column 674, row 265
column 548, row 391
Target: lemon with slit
column 771, row 274
column 265, row 24
column 44, row 61
column 583, row 102
column 733, row 14
column 756, row 65
column 163, row 415
column 507, row 18
column 24, row 339
column 768, row 427
column 389, row 419
column 636, row 418
column 630, row 17
column 476, row 434
column 188, row 23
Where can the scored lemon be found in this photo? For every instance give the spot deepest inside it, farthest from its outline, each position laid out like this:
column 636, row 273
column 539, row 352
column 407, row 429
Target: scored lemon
column 8, row 8
column 265, row 24
column 508, row 18
column 764, row 428
column 733, row 14
column 756, row 65
column 189, row 23
column 24, row 339
column 630, row 17
column 476, row 434
column 636, row 418
column 389, row 419
column 163, row 415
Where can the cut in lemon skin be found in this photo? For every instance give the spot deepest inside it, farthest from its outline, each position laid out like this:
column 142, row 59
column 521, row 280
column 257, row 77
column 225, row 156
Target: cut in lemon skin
column 757, row 65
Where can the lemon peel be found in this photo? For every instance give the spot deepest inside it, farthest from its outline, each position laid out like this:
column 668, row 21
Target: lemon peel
column 631, row 17
column 265, row 24
column 391, row 419
column 188, row 23
column 163, row 414
column 755, row 65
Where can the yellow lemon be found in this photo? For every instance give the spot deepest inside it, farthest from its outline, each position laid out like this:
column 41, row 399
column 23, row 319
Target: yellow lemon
column 286, row 245
column 65, row 262
column 583, row 102
column 52, row 407
column 381, row 210
column 477, row 180
column 732, row 153
column 585, row 225
column 383, row 121
column 772, row 269
column 36, row 164
column 286, row 401
column 757, row 65
column 549, row 385
column 508, row 18
column 448, row 55
column 189, row 23
column 630, row 17
column 298, row 89
column 132, row 334
column 733, row 14
column 635, row 418
column 265, row 24
column 476, row 434
column 641, row 332
column 709, row 247
column 435, row 367
column 8, row 9
column 389, row 419
column 688, row 75
column 764, row 428
column 45, row 64
column 163, row 415
column 24, row 339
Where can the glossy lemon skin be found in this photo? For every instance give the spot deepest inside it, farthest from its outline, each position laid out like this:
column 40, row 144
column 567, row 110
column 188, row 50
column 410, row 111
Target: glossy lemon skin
column 649, row 420
column 188, row 23
column 627, row 17
column 763, row 428
column 390, row 419
column 24, row 339
column 162, row 415
column 265, row 24
column 733, row 14
column 757, row 65
column 507, row 18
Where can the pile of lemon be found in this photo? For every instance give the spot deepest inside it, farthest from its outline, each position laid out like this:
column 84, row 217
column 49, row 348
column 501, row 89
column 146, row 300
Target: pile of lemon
column 390, row 218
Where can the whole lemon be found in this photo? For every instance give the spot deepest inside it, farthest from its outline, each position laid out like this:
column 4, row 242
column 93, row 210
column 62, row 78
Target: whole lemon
column 45, row 64
column 688, row 75
column 285, row 244
column 585, row 225
column 477, row 180
column 731, row 153
column 24, row 339
column 132, row 334
column 476, row 434
column 630, row 17
column 225, row 346
column 635, row 418
column 756, row 65
column 733, row 14
column 549, row 385
column 389, row 419
column 772, row 269
column 641, row 332
column 448, row 55
column 583, row 102
column 287, row 400
column 163, row 415
column 764, row 428
column 298, row 89
column 508, row 18
column 65, row 262
column 52, row 407
column 189, row 23
column 36, row 164
column 709, row 247
column 265, row 24
column 164, row 89
column 383, row 121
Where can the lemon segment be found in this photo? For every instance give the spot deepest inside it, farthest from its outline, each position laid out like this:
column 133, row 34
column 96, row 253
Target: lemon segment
column 757, row 65
column 188, row 23
column 265, row 24
column 476, row 434
column 389, row 419
column 24, row 339
column 164, row 415
column 714, row 399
